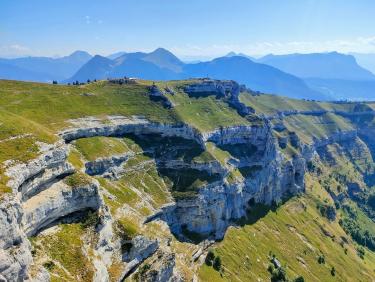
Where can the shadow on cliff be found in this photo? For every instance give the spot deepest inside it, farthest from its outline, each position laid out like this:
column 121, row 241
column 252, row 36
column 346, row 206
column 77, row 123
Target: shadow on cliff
column 254, row 213
column 174, row 159
column 257, row 211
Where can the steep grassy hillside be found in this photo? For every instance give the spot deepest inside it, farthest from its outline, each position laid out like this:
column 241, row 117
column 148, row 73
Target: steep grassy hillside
column 297, row 235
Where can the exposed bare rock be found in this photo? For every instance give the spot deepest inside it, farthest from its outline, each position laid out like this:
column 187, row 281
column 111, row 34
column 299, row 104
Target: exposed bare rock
column 120, row 126
column 58, row 201
column 26, row 179
column 110, row 167
column 228, row 89
column 161, row 268
column 15, row 249
column 141, row 248
column 158, row 95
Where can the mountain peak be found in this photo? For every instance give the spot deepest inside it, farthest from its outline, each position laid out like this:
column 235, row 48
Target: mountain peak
column 161, row 50
column 164, row 59
column 116, row 55
column 329, row 65
column 231, row 54
column 80, row 55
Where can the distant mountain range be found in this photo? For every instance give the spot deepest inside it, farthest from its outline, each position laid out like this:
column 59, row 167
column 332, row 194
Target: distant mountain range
column 336, row 75
column 365, row 60
column 320, row 76
column 256, row 76
column 319, row 65
column 43, row 69
column 163, row 65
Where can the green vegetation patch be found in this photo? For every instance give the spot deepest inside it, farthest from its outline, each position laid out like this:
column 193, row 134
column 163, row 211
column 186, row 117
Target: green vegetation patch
column 77, row 179
column 307, row 127
column 205, row 113
column 186, row 180
column 356, row 223
column 297, row 234
column 52, row 105
column 271, row 104
column 63, row 255
column 97, row 147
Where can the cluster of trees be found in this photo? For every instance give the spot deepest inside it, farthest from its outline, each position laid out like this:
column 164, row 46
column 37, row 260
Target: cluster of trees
column 279, row 275
column 361, row 236
column 82, row 83
column 212, row 260
column 327, row 211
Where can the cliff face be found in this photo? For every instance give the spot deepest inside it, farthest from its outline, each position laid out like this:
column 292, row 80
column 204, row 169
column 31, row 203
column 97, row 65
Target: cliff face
column 267, row 176
column 44, row 197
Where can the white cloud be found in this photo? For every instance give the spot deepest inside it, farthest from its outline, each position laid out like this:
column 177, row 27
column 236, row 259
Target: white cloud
column 360, row 45
column 14, row 50
column 88, row 19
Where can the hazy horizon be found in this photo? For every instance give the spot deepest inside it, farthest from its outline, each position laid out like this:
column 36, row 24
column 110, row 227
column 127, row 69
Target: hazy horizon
column 204, row 29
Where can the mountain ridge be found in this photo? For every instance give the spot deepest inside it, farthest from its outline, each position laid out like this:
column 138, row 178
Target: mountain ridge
column 163, row 65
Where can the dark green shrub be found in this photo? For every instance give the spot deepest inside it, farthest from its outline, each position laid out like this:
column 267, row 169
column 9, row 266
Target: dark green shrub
column 299, row 279
column 210, row 258
column 361, row 252
column 217, row 263
column 49, row 265
column 278, row 275
column 333, row 271
column 321, row 259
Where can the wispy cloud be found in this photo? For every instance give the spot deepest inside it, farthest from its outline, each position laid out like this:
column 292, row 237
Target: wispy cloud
column 14, row 50
column 88, row 19
column 359, row 44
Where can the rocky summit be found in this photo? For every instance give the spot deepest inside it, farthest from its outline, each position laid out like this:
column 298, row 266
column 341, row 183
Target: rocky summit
column 183, row 180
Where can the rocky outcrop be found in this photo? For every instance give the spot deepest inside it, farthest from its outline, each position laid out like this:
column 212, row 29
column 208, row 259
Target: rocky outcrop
column 118, row 126
column 348, row 114
column 227, row 89
column 220, row 88
column 28, row 179
column 141, row 248
column 15, row 249
column 110, row 167
column 106, row 245
column 56, row 202
column 267, row 176
column 161, row 269
column 212, row 167
column 241, row 134
column 158, row 95
column 40, row 197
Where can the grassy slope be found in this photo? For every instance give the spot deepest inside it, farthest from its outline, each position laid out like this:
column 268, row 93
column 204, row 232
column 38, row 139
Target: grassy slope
column 40, row 110
column 271, row 104
column 205, row 113
column 99, row 147
column 53, row 105
column 294, row 234
column 319, row 127
column 62, row 252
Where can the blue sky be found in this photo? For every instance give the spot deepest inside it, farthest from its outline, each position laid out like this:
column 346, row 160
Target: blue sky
column 188, row 28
